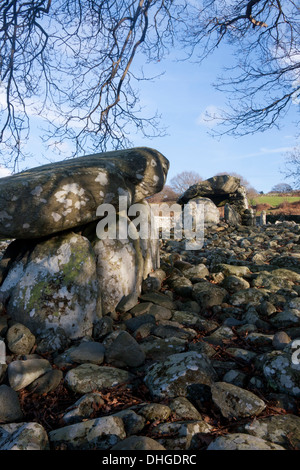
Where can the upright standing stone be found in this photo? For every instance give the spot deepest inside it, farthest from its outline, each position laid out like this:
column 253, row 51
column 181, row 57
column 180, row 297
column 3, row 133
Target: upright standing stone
column 263, row 218
column 123, row 264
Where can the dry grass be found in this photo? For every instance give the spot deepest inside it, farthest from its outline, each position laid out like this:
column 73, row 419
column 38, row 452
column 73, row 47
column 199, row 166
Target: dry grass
column 263, row 207
column 288, row 208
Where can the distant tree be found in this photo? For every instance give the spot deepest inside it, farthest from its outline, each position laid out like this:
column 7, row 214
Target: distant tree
column 182, row 181
column 166, row 195
column 292, row 166
column 282, row 188
column 251, row 192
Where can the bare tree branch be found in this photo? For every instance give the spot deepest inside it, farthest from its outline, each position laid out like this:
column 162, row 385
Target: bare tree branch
column 292, row 167
column 265, row 81
column 70, row 62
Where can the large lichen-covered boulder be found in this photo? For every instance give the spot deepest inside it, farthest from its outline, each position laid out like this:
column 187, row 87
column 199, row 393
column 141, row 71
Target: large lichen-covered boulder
column 283, row 430
column 54, row 285
column 282, row 371
column 62, row 195
column 90, row 377
column 172, row 377
column 276, row 279
column 207, row 295
column 100, row 433
column 241, row 441
column 236, row 402
column 23, row 436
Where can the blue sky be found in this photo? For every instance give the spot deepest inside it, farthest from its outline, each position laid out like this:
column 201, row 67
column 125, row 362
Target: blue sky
column 181, row 96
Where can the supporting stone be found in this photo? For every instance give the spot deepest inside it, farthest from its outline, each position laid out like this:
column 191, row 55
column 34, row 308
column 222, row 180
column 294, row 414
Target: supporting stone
column 231, row 216
column 210, row 210
column 248, row 218
column 54, row 286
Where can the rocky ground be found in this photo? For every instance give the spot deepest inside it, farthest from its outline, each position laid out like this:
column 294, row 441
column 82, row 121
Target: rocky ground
column 208, row 359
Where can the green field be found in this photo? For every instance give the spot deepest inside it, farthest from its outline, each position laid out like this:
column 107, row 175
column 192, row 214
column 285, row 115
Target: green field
column 274, row 201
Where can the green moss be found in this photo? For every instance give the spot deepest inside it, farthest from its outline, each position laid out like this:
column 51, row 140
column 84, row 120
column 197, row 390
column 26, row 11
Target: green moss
column 74, row 267
column 80, row 254
column 41, row 292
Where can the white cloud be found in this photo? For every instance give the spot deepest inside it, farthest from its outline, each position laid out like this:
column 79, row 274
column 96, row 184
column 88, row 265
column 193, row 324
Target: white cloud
column 288, row 56
column 2, row 97
column 267, row 151
column 261, row 154
column 4, row 172
column 209, row 117
column 33, row 107
column 60, row 147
